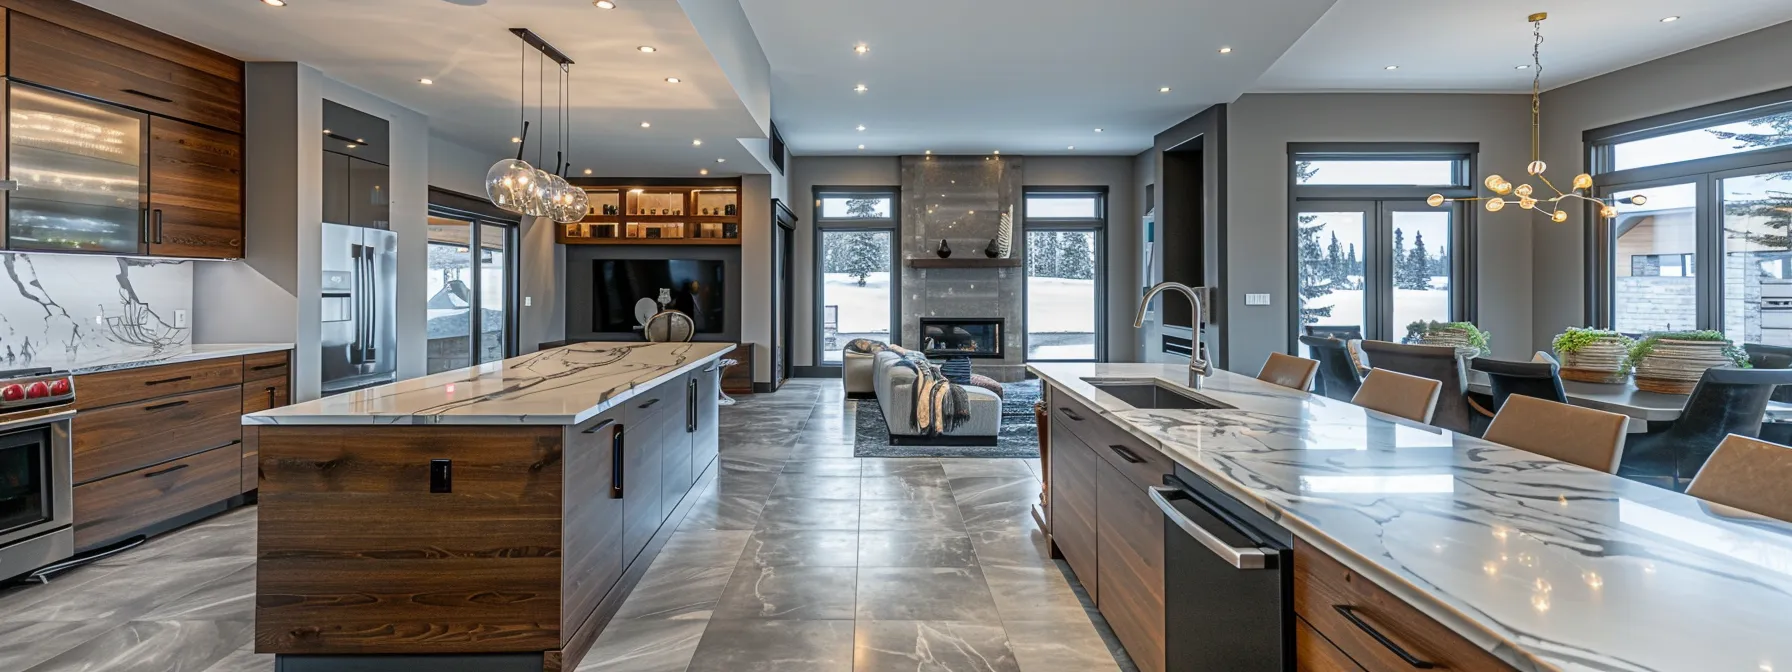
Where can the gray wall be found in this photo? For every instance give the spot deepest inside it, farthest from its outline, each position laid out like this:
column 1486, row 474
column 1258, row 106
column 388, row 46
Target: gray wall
column 1740, row 66
column 580, row 270
column 1262, row 125
column 806, row 173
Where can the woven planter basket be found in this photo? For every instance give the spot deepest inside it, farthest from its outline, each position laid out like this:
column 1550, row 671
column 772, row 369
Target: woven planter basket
column 1674, row 367
column 1601, row 361
column 1454, row 338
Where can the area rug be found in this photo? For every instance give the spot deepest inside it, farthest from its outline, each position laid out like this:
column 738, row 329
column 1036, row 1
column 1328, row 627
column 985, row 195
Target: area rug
column 1019, row 437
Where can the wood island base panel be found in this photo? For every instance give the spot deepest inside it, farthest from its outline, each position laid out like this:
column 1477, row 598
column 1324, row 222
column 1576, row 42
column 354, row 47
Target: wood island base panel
column 506, row 545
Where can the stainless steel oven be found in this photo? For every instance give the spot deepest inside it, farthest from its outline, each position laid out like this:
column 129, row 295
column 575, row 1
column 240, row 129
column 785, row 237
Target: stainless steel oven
column 36, row 491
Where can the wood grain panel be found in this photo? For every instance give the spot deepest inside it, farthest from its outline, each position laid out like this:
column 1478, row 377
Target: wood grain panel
column 116, row 439
column 136, row 36
column 643, row 493
column 95, row 390
column 1314, row 653
column 249, row 471
column 738, row 379
column 195, row 191
column 592, row 527
column 116, row 507
column 1113, row 444
column 261, row 395
column 357, row 556
column 1131, row 565
column 1074, row 507
column 59, row 57
column 1322, row 583
column 266, row 365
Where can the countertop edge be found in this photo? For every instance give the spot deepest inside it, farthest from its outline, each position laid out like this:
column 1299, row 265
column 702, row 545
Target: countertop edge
column 1495, row 644
column 487, row 420
column 222, row 350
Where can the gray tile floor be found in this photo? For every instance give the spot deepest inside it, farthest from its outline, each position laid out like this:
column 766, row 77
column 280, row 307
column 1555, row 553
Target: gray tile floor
column 799, row 557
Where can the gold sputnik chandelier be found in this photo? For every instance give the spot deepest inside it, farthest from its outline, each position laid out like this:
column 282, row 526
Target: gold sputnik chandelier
column 1524, row 195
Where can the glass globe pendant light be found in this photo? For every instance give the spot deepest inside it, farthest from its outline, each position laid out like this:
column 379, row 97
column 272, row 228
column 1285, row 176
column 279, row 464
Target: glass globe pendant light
column 510, row 183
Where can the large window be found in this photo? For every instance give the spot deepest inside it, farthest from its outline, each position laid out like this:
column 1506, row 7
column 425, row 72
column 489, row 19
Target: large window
column 1368, row 252
column 855, row 248
column 1718, row 188
column 470, row 283
column 1064, row 306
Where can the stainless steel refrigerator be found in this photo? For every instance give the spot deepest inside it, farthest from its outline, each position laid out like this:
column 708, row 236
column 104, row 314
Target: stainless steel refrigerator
column 359, row 282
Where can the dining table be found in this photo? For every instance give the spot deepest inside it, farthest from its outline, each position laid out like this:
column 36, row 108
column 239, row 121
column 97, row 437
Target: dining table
column 1642, row 406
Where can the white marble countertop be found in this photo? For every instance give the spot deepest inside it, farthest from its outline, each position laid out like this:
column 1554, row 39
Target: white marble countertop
column 558, row 386
column 1547, row 565
column 191, row 353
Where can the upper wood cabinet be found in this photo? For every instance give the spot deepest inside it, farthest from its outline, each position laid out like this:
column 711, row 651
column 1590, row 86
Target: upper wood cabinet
column 59, row 57
column 195, row 191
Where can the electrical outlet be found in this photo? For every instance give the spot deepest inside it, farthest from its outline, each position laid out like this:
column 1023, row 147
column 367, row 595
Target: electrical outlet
column 528, row 301
column 180, row 318
column 1256, row 299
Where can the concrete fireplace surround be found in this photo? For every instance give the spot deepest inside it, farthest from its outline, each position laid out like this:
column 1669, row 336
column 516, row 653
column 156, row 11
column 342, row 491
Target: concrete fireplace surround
column 960, row 199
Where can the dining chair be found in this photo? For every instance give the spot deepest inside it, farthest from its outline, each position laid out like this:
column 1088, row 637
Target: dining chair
column 1395, row 393
column 1531, row 379
column 1289, row 371
column 1436, row 362
column 1749, row 474
column 1725, row 402
column 1588, row 437
column 1342, row 332
column 1338, row 376
column 1763, row 356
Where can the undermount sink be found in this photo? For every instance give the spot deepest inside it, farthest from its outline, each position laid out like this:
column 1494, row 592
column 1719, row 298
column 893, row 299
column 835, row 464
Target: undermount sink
column 1150, row 395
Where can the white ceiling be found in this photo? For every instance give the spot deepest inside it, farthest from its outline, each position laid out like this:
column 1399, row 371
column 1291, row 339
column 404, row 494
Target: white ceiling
column 1020, row 76
column 384, row 46
column 1458, row 45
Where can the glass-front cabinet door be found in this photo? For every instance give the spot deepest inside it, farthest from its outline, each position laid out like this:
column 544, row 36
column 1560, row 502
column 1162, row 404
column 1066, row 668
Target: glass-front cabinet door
column 80, row 172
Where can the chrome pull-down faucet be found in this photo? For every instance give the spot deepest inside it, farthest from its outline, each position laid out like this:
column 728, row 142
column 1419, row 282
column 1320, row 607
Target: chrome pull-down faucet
column 1198, row 366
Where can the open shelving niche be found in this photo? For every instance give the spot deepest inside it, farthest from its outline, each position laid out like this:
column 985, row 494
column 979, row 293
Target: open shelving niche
column 657, row 215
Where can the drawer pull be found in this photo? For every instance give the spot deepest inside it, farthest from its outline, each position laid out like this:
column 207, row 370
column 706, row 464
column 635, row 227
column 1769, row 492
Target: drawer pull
column 1349, row 614
column 594, row 428
column 265, row 367
column 165, row 381
column 170, row 404
column 617, row 443
column 650, row 402
column 150, row 96
column 169, row 470
column 1129, row 456
column 272, row 391
column 1070, row 414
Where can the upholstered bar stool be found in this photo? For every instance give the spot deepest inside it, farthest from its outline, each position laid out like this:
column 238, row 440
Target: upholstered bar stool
column 1398, row 394
column 1289, row 371
column 1590, row 438
column 1749, row 474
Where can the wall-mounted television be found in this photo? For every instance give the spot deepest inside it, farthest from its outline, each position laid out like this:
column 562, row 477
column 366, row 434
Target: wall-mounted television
column 698, row 290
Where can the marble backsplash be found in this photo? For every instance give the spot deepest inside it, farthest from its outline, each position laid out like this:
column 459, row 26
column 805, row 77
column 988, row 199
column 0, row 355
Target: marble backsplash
column 69, row 311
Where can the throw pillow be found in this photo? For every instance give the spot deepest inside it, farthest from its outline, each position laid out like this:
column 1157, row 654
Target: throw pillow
column 987, row 383
column 957, row 370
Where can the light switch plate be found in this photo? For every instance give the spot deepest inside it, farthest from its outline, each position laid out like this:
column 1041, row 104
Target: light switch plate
column 180, row 318
column 528, row 301
column 1256, row 299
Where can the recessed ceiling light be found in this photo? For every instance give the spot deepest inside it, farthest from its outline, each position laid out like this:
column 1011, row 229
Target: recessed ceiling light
column 1525, row 66
column 861, row 127
column 425, row 81
column 604, row 4
column 513, row 139
column 1071, row 147
column 861, row 146
column 274, row 3
column 352, row 145
column 673, row 80
column 861, row 88
column 1097, row 130
column 861, row 49
column 721, row 160
column 646, row 125
column 696, row 142
column 326, row 131
column 703, row 171
column 1665, row 19
column 587, row 171
column 646, row 49
column 1391, row 67
column 1163, row 89
column 1225, row 50
column 361, row 141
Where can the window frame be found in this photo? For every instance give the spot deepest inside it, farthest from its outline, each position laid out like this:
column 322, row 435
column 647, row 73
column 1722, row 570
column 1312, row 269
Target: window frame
column 892, row 224
column 1099, row 226
column 1378, row 202
column 1706, row 174
column 449, row 205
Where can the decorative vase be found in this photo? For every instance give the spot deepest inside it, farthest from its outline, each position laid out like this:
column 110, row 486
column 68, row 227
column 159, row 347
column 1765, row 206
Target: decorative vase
column 1675, row 366
column 1004, row 242
column 945, row 250
column 993, row 250
column 728, row 210
column 1601, row 361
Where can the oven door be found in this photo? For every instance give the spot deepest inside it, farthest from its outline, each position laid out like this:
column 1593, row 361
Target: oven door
column 36, row 492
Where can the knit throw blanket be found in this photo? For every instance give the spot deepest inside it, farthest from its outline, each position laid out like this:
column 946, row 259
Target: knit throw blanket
column 866, row 346
column 939, row 405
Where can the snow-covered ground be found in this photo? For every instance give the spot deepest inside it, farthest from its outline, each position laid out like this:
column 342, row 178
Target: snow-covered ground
column 1060, row 314
column 1410, row 305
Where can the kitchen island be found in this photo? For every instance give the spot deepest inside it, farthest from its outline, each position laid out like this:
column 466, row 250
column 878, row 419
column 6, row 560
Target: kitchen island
column 1410, row 543
column 490, row 518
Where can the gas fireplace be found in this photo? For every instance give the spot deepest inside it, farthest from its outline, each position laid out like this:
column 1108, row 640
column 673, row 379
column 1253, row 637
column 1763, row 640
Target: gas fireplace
column 962, row 337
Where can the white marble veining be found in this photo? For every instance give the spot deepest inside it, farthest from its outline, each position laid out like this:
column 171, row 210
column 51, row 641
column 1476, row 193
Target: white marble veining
column 190, row 353
column 74, row 311
column 558, row 386
column 1547, row 565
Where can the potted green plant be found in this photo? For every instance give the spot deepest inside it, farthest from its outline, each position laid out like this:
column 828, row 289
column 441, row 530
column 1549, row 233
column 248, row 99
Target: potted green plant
column 1468, row 339
column 1593, row 355
column 1672, row 362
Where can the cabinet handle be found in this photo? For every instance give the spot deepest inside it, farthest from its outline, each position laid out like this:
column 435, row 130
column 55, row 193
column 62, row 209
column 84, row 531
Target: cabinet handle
column 594, row 428
column 164, row 381
column 617, row 443
column 1349, row 614
column 265, row 367
column 690, row 407
column 650, row 402
column 150, row 96
column 1129, row 456
column 144, row 227
column 169, row 470
column 170, row 404
column 1070, row 414
column 157, row 216
column 271, row 403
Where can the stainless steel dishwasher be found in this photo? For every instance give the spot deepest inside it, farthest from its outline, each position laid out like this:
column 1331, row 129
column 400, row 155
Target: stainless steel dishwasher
column 1228, row 582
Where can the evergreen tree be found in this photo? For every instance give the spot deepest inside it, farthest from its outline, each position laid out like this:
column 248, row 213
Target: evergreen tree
column 1399, row 254
column 1770, row 216
column 1315, row 281
column 1334, row 263
column 1441, row 266
column 1042, row 254
column 1352, row 266
column 861, row 208
column 1417, row 266
column 1075, row 259
column 862, row 253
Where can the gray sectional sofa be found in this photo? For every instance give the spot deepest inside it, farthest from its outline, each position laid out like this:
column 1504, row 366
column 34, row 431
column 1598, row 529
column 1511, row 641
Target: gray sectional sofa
column 893, row 384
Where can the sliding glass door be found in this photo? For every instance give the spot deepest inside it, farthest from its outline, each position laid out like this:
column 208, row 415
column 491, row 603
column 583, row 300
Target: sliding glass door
column 1332, row 264
column 470, row 284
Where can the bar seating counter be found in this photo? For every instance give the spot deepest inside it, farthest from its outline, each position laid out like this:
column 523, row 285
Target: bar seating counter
column 491, row 518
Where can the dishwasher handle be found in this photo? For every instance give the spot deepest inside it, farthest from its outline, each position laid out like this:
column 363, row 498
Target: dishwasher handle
column 1247, row 557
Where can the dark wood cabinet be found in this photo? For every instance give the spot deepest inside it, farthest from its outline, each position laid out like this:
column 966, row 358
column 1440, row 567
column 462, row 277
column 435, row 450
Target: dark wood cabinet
column 642, row 484
column 594, row 516
column 335, row 188
column 117, row 507
column 675, row 443
column 195, row 191
column 1131, row 565
column 738, row 379
column 116, row 439
column 1074, row 506
column 707, row 440
column 1314, row 653
column 95, row 390
column 64, row 58
column 368, row 190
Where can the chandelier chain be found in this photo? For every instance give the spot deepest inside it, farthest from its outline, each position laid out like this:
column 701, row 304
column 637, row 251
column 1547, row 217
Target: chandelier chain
column 1536, row 88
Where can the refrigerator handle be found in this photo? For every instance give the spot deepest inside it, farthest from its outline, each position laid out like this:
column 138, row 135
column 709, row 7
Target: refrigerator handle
column 373, row 304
